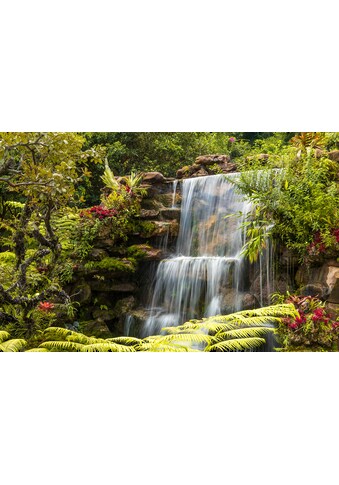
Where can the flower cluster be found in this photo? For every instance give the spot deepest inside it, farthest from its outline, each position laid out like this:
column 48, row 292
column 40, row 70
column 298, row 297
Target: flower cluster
column 99, row 212
column 45, row 306
column 313, row 327
column 317, row 246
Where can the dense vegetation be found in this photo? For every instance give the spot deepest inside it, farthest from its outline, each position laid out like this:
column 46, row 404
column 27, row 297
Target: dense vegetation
column 59, row 191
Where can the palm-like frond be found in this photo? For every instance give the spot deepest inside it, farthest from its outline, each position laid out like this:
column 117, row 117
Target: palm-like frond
column 108, row 178
column 62, row 346
column 125, row 340
column 107, row 347
column 197, row 338
column 244, row 333
column 236, row 345
column 4, row 336
column 14, row 345
column 37, row 350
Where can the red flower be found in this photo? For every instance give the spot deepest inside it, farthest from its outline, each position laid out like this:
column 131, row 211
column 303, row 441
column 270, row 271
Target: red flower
column 45, row 306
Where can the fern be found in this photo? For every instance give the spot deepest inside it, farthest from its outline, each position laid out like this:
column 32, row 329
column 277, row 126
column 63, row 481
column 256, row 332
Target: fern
column 62, row 346
column 4, row 336
column 14, row 345
column 107, row 347
column 236, row 345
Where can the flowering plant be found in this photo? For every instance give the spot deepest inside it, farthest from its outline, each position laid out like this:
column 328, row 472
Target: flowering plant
column 99, row 212
column 313, row 329
column 45, row 306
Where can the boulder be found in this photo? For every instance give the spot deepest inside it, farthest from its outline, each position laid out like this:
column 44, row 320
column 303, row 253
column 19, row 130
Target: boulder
column 200, row 173
column 316, row 289
column 212, row 159
column 97, row 254
column 81, row 292
column 153, row 178
column 96, row 328
column 149, row 214
column 334, row 155
column 170, row 214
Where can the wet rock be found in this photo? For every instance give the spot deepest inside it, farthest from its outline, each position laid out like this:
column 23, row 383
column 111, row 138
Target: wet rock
column 96, row 328
column 334, row 155
column 334, row 294
column 97, row 254
column 318, row 290
column 81, row 291
column 249, row 302
column 113, row 286
column 103, row 314
column 200, row 173
column 212, row 159
column 153, row 178
column 170, row 214
column 149, row 214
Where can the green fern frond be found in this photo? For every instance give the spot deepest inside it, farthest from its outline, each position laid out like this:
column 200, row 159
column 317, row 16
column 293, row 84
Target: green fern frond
column 57, row 333
column 198, row 338
column 80, row 338
column 157, row 347
column 4, row 336
column 37, row 350
column 62, row 346
column 245, row 333
column 125, row 340
column 14, row 345
column 236, row 345
column 107, row 347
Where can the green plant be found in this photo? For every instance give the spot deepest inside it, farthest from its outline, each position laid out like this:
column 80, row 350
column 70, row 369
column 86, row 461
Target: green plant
column 241, row 331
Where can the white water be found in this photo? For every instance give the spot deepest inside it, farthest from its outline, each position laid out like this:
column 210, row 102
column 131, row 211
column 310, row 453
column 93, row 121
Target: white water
column 208, row 266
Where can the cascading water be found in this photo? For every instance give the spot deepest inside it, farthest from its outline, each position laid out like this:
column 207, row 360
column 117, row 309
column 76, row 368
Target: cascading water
column 208, row 267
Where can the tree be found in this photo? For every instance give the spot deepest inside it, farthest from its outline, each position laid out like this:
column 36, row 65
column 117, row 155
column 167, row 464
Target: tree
column 42, row 171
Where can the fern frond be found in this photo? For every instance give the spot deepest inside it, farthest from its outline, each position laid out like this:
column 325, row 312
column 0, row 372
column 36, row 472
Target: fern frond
column 80, row 338
column 244, row 333
column 4, row 336
column 107, row 347
column 198, row 338
column 62, row 346
column 125, row 340
column 157, row 347
column 37, row 350
column 236, row 345
column 14, row 345
column 57, row 333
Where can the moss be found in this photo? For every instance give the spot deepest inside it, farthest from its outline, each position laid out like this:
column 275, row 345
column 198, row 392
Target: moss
column 7, row 257
column 113, row 264
column 146, row 228
column 138, row 251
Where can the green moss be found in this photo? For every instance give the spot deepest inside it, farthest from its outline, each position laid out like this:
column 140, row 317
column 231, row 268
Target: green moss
column 146, row 228
column 113, row 264
column 138, row 251
column 7, row 257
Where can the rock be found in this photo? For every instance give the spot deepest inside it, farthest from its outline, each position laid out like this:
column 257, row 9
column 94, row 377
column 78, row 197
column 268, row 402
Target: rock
column 81, row 292
column 149, row 214
column 108, row 286
column 212, row 159
column 97, row 254
column 249, row 302
column 263, row 156
column 153, row 178
column 103, row 314
column 95, row 328
column 200, row 173
column 170, row 214
column 228, row 167
column 318, row 153
column 334, row 294
column 317, row 289
column 334, row 155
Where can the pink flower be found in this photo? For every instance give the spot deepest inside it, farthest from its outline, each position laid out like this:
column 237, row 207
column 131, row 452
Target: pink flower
column 45, row 306
column 231, row 139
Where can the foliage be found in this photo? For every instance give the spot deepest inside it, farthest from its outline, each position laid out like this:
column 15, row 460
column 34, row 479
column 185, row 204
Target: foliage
column 238, row 332
column 297, row 203
column 41, row 170
column 313, row 329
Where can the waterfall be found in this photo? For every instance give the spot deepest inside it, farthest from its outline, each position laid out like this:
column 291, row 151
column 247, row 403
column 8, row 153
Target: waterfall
column 206, row 274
